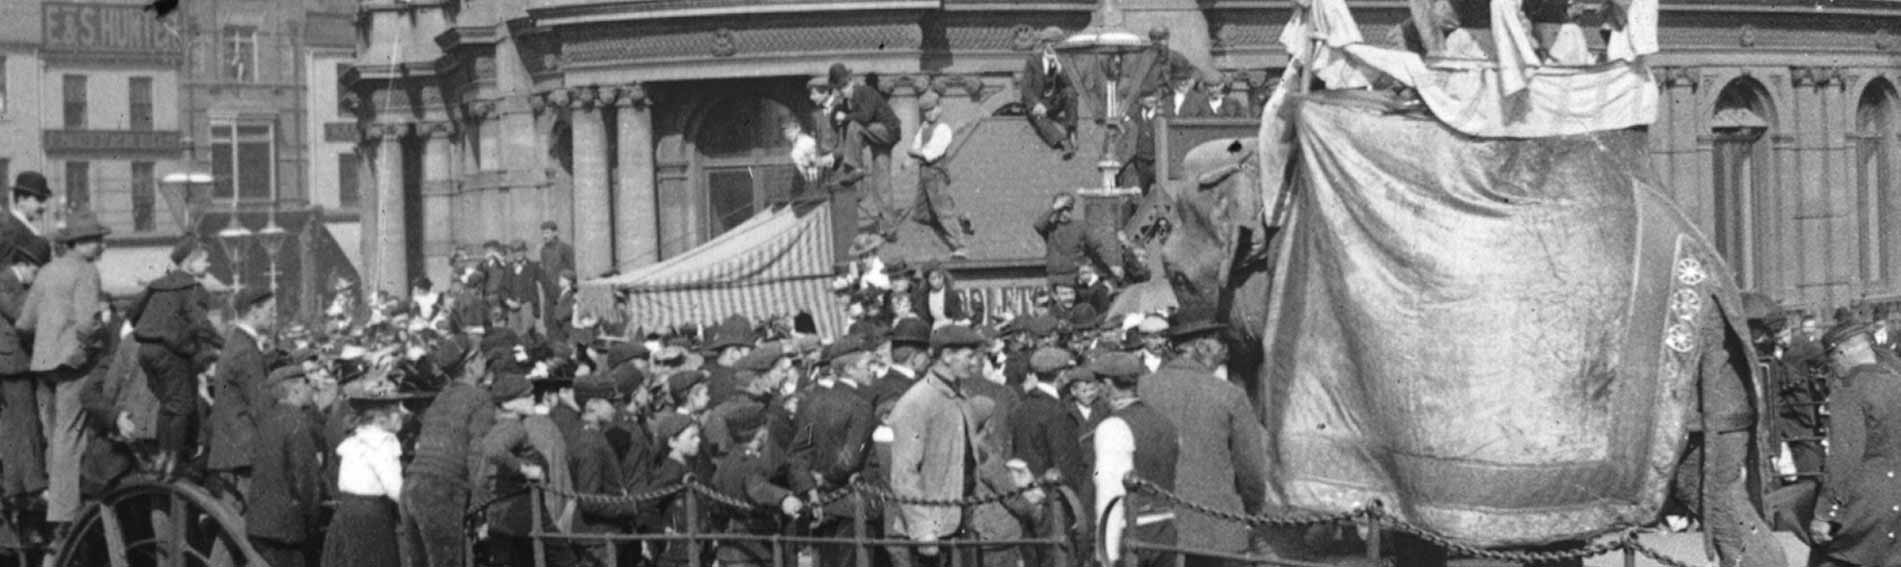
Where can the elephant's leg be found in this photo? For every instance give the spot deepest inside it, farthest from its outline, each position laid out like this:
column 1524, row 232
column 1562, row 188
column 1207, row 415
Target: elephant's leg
column 1741, row 537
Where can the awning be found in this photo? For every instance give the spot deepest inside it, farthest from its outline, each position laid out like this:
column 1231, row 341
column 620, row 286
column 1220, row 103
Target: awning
column 779, row 262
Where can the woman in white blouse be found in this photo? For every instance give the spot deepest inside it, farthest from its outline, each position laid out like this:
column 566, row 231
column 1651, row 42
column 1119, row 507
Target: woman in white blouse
column 362, row 533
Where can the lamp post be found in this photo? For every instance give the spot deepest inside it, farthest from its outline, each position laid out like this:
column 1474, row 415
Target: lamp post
column 272, row 237
column 1106, row 39
column 232, row 239
column 188, row 202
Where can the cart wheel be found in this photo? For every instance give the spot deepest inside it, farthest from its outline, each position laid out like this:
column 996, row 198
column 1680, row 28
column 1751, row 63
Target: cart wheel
column 157, row 524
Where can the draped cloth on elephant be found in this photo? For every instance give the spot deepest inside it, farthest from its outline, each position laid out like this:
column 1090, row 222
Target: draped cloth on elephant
column 1494, row 338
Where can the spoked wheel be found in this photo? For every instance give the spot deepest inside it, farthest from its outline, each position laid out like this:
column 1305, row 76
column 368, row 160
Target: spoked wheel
column 156, row 524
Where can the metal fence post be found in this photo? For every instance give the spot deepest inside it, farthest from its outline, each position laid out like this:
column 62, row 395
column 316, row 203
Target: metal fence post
column 536, row 507
column 1630, row 555
column 1373, row 539
column 692, row 526
column 859, row 529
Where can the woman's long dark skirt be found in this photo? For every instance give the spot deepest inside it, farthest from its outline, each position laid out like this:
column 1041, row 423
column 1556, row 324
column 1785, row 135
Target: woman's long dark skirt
column 362, row 533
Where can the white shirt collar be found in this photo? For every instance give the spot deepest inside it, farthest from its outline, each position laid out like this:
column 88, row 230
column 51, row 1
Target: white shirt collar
column 255, row 337
column 905, row 370
column 30, row 225
column 1048, row 388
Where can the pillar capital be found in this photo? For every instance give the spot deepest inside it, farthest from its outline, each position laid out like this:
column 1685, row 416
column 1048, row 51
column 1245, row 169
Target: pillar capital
column 550, row 100
column 907, row 85
column 589, row 97
column 1816, row 76
column 441, row 130
column 951, row 85
column 631, row 95
column 378, row 131
column 479, row 110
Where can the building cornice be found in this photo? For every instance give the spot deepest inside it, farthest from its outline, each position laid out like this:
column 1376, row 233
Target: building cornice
column 607, row 12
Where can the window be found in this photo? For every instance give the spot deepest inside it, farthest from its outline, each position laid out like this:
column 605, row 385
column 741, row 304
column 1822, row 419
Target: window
column 1743, row 181
column 78, row 185
column 3, row 85
column 240, row 53
column 343, row 92
column 73, row 91
column 1875, row 179
column 243, row 160
column 139, row 92
column 348, row 196
column 144, row 196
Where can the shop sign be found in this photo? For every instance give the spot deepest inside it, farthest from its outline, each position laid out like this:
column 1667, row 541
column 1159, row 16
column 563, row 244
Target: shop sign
column 112, row 141
column 110, row 31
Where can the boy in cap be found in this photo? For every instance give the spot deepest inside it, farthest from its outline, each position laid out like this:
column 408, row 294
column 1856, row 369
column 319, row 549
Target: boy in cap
column 1048, row 94
column 22, row 449
column 172, row 325
column 64, row 314
column 756, row 472
column 934, row 205
column 445, row 474
column 286, row 493
column 1135, row 439
column 761, row 374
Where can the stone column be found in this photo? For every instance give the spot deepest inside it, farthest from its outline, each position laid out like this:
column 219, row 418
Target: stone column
column 636, row 218
column 438, row 197
column 593, row 205
column 904, row 172
column 389, row 269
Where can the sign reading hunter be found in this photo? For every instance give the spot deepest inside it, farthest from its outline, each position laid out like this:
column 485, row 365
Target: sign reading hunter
column 83, row 31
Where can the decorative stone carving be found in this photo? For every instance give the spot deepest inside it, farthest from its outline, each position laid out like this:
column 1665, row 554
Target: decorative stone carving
column 551, row 100
column 1746, row 36
column 723, row 43
column 1679, row 77
column 947, row 85
column 1022, row 37
column 583, row 98
column 385, row 130
column 480, row 109
column 631, row 95
column 436, row 130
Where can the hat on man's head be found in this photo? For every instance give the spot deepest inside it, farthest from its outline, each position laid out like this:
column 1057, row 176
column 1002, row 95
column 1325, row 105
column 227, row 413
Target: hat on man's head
column 620, row 353
column 248, row 298
column 734, row 331
column 928, row 101
column 670, row 425
column 596, row 387
column 745, row 422
column 35, row 250
column 1842, row 332
column 1051, row 34
column 1189, row 324
column 669, row 353
column 1182, row 74
column 495, row 245
column 864, row 244
column 32, row 184
column 913, row 332
column 508, row 386
column 845, row 345
column 185, row 247
column 1051, row 359
column 956, row 336
column 283, row 373
column 681, row 383
column 760, row 360
column 518, row 245
column 550, row 225
column 82, row 225
column 1117, row 365
column 1757, row 306
column 1158, row 33
column 838, row 75
column 1152, row 324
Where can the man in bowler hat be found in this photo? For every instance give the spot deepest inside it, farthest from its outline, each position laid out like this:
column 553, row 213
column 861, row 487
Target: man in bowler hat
column 1221, row 454
column 25, row 206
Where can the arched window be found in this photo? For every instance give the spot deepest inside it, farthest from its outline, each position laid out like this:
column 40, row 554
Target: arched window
column 1742, row 176
column 742, row 159
column 1875, row 184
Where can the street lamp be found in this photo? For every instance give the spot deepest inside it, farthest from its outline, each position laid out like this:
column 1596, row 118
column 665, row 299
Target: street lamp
column 185, row 193
column 272, row 239
column 1106, row 39
column 232, row 239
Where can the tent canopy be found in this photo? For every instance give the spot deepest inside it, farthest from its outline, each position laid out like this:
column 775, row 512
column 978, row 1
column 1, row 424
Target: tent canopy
column 779, row 262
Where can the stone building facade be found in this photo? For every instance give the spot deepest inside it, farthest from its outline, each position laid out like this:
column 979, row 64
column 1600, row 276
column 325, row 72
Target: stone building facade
column 646, row 128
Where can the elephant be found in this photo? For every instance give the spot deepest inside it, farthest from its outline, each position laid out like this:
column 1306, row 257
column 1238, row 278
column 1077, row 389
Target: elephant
column 1510, row 343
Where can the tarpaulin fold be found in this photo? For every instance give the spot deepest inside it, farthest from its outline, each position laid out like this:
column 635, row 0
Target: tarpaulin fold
column 1493, row 338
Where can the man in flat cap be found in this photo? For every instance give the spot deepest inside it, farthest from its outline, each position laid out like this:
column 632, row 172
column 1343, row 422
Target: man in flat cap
column 832, row 440
column 1138, row 142
column 64, row 314
column 868, row 123
column 1185, row 100
column 1045, row 442
column 1049, row 98
column 1158, row 67
column 1859, row 505
column 932, row 447
column 934, row 206
column 1216, row 98
column 172, row 324
column 1221, row 452
column 1140, row 440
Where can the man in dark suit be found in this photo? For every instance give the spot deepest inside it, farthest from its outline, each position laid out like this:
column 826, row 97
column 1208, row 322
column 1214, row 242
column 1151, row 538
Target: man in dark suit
column 556, row 256
column 1049, row 99
column 286, row 492
column 526, row 294
column 868, row 123
column 1184, row 100
column 237, row 395
column 1157, row 66
column 831, row 438
column 28, row 202
column 1138, row 162
column 1221, row 440
column 1046, row 442
column 494, row 267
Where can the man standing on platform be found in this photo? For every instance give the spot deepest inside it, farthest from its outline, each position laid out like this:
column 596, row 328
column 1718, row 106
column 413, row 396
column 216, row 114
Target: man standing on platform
column 1048, row 96
column 556, row 256
column 172, row 324
column 1138, row 163
column 868, row 123
column 934, row 202
column 64, row 314
column 527, row 291
column 1214, row 92
column 1222, row 443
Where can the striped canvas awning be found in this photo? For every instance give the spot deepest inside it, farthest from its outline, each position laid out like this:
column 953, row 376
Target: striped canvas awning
column 779, row 262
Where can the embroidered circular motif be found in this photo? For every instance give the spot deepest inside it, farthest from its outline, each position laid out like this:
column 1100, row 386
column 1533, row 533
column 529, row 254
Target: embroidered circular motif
column 1681, row 337
column 1690, row 271
column 1686, row 303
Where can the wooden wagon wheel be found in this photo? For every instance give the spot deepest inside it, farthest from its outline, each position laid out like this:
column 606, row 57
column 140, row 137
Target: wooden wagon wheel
column 156, row 524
